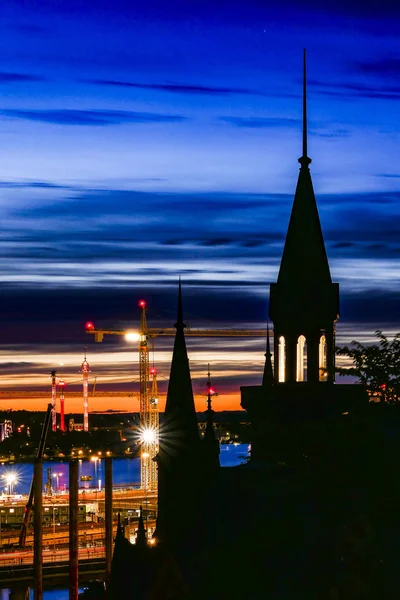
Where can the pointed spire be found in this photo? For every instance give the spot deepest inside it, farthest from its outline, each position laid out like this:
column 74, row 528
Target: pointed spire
column 210, row 441
column 268, row 376
column 120, row 529
column 304, row 260
column 179, row 322
column 141, row 534
column 304, row 160
column 209, row 432
column 84, row 351
column 180, row 412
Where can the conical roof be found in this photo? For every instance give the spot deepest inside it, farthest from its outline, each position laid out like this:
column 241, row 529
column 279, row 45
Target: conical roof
column 180, row 412
column 304, row 258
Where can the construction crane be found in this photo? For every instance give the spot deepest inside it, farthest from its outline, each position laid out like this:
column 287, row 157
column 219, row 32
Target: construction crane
column 53, row 376
column 39, row 457
column 85, row 374
column 149, row 417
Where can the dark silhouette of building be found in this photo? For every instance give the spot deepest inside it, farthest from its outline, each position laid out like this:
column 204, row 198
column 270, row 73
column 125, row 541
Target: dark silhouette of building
column 304, row 309
column 270, row 528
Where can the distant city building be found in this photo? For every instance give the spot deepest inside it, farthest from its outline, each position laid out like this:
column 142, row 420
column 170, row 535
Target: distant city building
column 72, row 426
column 6, row 430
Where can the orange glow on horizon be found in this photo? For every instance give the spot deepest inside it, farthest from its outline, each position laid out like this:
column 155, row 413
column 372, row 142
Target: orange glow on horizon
column 118, row 402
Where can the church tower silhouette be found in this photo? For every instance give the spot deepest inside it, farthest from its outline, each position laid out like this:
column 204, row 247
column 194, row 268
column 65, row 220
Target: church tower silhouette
column 304, row 309
column 304, row 303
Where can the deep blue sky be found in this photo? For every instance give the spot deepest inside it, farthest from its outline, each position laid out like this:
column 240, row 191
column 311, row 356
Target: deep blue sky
column 143, row 140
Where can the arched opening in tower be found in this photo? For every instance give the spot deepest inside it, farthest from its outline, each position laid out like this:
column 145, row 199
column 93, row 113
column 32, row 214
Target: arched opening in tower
column 323, row 373
column 282, row 359
column 301, row 363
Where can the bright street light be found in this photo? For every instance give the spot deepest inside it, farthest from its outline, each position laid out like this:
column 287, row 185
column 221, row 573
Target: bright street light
column 10, row 479
column 148, row 435
column 132, row 336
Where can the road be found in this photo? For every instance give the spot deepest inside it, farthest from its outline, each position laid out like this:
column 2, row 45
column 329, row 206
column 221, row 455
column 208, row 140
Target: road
column 25, row 557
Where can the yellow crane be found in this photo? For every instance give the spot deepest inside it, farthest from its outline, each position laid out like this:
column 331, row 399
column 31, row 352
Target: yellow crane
column 149, row 414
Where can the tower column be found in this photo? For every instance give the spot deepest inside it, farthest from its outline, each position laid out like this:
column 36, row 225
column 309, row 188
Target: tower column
column 291, row 358
column 330, row 354
column 313, row 356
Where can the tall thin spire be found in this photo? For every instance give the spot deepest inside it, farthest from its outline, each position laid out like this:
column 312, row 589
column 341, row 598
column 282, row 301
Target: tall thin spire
column 180, row 409
column 268, row 376
column 179, row 323
column 141, row 535
column 304, row 160
column 120, row 529
column 210, row 441
column 209, row 432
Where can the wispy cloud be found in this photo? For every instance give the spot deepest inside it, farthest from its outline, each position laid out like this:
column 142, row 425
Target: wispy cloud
column 385, row 67
column 42, row 185
column 261, row 122
column 358, row 90
column 389, row 175
column 177, row 88
column 90, row 117
column 6, row 77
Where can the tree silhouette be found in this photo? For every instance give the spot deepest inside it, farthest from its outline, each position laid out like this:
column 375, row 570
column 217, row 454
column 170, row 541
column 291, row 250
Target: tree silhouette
column 377, row 366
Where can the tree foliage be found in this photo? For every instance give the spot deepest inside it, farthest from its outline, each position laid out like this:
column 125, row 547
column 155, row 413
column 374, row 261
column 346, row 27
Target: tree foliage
column 377, row 366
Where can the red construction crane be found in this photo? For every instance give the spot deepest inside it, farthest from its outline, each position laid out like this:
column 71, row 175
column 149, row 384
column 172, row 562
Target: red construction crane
column 149, row 417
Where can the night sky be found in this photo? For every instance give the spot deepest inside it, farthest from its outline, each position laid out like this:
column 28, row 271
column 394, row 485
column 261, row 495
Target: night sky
column 140, row 141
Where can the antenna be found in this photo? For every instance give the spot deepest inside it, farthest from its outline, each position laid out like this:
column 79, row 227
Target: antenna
column 304, row 160
column 304, row 103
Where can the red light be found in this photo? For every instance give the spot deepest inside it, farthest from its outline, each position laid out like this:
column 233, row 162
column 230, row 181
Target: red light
column 61, row 383
column 89, row 325
column 153, row 371
column 142, row 303
column 211, row 391
column 383, row 386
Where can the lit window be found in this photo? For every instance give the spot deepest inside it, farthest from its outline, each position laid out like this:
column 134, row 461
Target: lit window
column 282, row 359
column 323, row 374
column 301, row 364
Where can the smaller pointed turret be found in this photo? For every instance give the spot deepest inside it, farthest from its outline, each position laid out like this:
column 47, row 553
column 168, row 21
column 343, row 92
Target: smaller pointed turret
column 120, row 529
column 211, row 443
column 268, row 376
column 141, row 533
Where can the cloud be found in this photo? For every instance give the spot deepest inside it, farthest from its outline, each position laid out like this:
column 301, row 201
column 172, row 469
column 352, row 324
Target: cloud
column 386, row 67
column 261, row 122
column 389, row 175
column 90, row 117
column 19, row 77
column 177, row 88
column 341, row 245
column 338, row 133
column 358, row 90
column 44, row 185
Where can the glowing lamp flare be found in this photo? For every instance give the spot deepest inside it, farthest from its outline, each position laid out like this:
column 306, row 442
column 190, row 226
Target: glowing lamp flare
column 132, row 336
column 89, row 326
column 142, row 303
column 148, row 436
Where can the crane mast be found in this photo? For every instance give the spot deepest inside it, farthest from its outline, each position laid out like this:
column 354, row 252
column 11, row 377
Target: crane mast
column 85, row 375
column 149, row 412
column 53, row 400
column 39, row 458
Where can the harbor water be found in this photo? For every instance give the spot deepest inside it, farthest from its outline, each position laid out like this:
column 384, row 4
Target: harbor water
column 126, row 473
